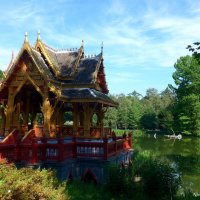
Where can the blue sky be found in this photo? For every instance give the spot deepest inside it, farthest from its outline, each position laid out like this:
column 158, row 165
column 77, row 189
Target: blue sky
column 142, row 38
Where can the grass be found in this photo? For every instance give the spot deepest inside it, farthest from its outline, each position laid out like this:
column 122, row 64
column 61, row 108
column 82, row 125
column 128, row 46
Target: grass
column 78, row 190
column 136, row 133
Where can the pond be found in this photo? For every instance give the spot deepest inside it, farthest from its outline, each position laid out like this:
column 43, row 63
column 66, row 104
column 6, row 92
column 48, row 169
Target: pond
column 184, row 153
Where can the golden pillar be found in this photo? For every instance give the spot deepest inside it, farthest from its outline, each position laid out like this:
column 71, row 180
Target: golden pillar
column 75, row 118
column 9, row 111
column 88, row 113
column 47, row 111
column 3, row 119
column 27, row 108
column 100, row 116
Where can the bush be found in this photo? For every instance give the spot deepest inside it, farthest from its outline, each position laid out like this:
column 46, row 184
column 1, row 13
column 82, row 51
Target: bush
column 147, row 178
column 120, row 180
column 27, row 183
column 188, row 195
column 160, row 180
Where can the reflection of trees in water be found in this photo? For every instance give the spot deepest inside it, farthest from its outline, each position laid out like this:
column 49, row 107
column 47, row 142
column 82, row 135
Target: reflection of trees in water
column 186, row 164
column 185, row 154
column 164, row 146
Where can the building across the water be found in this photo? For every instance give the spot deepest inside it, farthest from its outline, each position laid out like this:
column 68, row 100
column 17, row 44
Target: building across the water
column 52, row 106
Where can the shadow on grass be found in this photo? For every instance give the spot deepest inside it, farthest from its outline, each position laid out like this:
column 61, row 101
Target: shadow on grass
column 78, row 190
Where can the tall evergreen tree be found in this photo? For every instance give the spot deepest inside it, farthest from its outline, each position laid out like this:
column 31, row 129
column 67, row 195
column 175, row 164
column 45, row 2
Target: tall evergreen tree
column 187, row 80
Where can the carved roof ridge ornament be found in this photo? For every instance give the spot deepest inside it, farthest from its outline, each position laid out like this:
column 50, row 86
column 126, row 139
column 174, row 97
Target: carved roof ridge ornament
column 42, row 46
column 100, row 56
column 80, row 55
column 45, row 75
column 29, row 50
column 26, row 37
column 82, row 43
column 38, row 35
column 9, row 66
column 26, row 46
column 102, row 48
column 96, row 73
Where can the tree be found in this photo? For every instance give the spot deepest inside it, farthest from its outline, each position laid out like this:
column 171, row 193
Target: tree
column 151, row 107
column 111, row 117
column 1, row 74
column 123, row 111
column 187, row 80
column 134, row 113
column 165, row 115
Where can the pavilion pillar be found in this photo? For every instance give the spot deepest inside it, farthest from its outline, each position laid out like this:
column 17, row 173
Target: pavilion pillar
column 44, row 111
column 27, row 109
column 2, row 127
column 60, row 117
column 16, row 121
column 81, row 118
column 47, row 111
column 88, row 112
column 33, row 116
column 53, row 125
column 75, row 118
column 55, row 131
column 100, row 116
column 9, row 111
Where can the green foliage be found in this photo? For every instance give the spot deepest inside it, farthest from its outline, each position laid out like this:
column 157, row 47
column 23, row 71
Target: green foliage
column 135, row 114
column 153, row 111
column 120, row 180
column 123, row 112
column 188, row 195
column 174, row 108
column 159, row 178
column 1, row 74
column 78, row 190
column 111, row 117
column 187, row 80
column 149, row 120
column 27, row 183
column 147, row 178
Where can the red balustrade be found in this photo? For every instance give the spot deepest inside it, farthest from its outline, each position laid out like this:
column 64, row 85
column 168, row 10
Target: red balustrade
column 67, row 130
column 95, row 132
column 7, row 151
column 89, row 149
column 35, row 150
column 107, row 131
column 39, row 132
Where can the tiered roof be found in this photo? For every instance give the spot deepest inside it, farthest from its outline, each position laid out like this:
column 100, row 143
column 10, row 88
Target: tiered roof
column 70, row 72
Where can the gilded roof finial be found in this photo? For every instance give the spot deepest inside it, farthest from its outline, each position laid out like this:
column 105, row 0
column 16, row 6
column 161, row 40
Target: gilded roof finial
column 26, row 37
column 102, row 47
column 38, row 35
column 82, row 44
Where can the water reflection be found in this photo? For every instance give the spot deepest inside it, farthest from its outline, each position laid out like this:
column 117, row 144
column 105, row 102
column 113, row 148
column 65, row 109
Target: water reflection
column 185, row 154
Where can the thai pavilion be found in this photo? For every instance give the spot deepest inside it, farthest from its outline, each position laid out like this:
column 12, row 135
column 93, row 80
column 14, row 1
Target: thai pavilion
column 42, row 86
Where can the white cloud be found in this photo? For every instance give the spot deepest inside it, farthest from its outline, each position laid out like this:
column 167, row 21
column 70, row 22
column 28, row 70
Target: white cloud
column 116, row 8
column 150, row 36
column 5, row 57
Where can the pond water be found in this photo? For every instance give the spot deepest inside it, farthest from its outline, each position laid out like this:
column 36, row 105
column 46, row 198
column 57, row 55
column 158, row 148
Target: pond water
column 184, row 153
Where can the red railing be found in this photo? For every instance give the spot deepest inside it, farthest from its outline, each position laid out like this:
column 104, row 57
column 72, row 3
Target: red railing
column 60, row 149
column 8, row 151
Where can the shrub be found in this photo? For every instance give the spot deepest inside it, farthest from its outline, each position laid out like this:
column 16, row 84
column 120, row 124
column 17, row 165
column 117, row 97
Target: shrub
column 27, row 183
column 160, row 179
column 119, row 180
column 146, row 178
column 188, row 195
